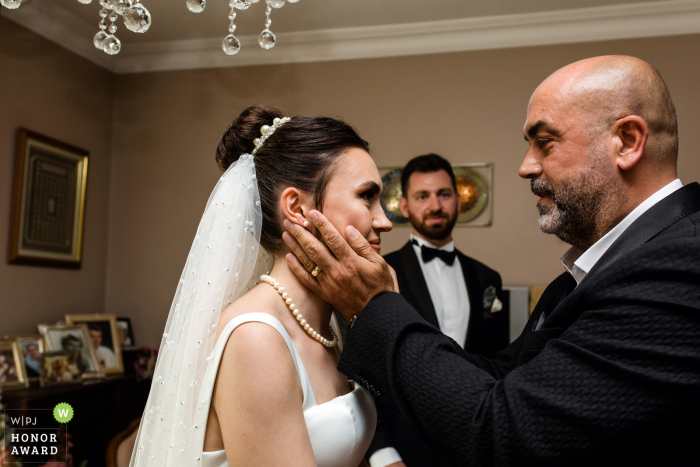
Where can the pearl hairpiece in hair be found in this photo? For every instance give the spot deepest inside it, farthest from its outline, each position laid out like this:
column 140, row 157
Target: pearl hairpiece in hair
column 267, row 130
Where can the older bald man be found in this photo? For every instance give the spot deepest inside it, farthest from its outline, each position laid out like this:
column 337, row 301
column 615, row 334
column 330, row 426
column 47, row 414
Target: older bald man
column 607, row 370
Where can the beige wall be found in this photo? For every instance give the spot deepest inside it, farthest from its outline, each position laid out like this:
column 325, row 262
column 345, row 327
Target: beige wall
column 468, row 107
column 147, row 191
column 47, row 89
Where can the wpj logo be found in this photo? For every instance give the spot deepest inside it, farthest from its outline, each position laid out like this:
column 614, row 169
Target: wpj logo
column 37, row 436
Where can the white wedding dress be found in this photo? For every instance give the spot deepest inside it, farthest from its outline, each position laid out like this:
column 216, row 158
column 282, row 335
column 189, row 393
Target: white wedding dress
column 340, row 429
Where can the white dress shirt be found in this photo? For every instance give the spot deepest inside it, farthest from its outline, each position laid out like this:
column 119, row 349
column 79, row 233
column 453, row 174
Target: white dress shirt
column 579, row 262
column 448, row 292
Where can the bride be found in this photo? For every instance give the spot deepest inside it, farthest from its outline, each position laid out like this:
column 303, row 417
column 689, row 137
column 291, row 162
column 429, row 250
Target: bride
column 246, row 373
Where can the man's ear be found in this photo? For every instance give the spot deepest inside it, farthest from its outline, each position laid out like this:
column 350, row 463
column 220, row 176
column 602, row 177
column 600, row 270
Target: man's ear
column 630, row 139
column 295, row 205
column 403, row 206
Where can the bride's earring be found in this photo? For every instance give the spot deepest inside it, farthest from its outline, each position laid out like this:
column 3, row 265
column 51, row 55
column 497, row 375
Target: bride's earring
column 306, row 223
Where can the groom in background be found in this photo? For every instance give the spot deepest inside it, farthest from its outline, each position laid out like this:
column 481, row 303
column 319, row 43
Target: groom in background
column 455, row 293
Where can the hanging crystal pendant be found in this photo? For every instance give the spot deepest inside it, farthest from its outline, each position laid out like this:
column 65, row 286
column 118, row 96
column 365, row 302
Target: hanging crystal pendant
column 85, row 2
column 11, row 4
column 293, row 1
column 231, row 45
column 99, row 40
column 137, row 18
column 241, row 4
column 112, row 45
column 267, row 39
column 109, row 4
column 121, row 6
column 276, row 3
column 196, row 6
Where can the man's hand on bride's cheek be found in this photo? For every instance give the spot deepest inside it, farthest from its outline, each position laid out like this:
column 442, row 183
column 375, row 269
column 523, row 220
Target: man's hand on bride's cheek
column 352, row 273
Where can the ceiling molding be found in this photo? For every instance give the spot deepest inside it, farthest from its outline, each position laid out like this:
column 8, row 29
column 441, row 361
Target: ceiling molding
column 650, row 19
column 62, row 27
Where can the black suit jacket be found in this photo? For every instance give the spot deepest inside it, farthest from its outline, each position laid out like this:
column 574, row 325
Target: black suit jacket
column 487, row 334
column 612, row 378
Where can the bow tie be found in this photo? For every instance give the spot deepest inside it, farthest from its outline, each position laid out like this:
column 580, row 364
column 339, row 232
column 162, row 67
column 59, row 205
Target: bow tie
column 429, row 254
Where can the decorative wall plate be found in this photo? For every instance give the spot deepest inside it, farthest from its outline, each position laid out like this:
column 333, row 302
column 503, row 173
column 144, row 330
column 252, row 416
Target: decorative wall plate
column 474, row 185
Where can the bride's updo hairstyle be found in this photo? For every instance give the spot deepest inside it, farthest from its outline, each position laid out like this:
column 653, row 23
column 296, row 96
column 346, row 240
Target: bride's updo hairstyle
column 301, row 154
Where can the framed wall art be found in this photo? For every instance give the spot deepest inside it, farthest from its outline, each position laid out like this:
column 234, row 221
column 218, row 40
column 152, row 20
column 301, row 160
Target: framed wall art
column 104, row 336
column 69, row 338
column 48, row 202
column 474, row 185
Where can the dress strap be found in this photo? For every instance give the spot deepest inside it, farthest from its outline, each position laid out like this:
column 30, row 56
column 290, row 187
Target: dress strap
column 215, row 358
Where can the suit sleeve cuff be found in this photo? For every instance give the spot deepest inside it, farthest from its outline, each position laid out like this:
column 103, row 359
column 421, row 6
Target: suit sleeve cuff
column 384, row 457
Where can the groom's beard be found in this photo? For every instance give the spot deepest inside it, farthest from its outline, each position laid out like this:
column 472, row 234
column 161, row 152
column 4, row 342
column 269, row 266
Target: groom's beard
column 437, row 232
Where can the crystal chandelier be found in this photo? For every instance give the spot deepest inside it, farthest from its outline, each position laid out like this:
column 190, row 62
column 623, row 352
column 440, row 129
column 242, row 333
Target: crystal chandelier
column 138, row 19
column 231, row 44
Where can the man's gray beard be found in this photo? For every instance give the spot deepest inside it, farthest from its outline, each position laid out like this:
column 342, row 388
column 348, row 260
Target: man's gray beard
column 578, row 210
column 433, row 234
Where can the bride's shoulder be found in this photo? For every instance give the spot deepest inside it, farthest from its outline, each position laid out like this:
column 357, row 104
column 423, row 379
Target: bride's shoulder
column 254, row 333
column 254, row 301
column 255, row 348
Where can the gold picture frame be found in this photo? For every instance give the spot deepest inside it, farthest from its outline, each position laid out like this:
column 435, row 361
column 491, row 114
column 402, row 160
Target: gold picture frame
column 474, row 184
column 32, row 369
column 48, row 202
column 12, row 373
column 109, row 348
column 70, row 337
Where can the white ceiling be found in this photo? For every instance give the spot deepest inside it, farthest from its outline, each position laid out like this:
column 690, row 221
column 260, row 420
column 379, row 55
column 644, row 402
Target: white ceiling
column 172, row 20
column 314, row 30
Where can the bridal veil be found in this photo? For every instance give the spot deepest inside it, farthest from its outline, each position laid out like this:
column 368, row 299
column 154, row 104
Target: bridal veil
column 218, row 270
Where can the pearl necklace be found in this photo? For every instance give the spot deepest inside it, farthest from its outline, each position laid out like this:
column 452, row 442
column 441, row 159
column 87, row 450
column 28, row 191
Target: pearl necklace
column 295, row 311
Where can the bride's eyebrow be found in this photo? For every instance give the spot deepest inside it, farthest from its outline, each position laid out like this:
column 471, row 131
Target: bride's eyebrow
column 370, row 186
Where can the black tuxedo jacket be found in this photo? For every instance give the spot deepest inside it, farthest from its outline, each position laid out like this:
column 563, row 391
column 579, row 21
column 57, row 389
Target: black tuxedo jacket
column 487, row 334
column 612, row 378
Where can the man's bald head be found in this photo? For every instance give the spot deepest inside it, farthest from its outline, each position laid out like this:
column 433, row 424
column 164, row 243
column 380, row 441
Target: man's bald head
column 602, row 138
column 605, row 89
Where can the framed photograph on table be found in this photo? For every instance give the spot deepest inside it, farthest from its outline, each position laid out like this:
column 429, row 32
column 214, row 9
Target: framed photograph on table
column 126, row 333
column 72, row 337
column 12, row 374
column 104, row 336
column 30, row 347
column 48, row 202
column 61, row 367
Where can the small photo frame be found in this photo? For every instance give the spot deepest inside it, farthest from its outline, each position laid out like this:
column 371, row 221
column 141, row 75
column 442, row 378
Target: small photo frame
column 104, row 337
column 71, row 337
column 474, row 186
column 48, row 202
column 61, row 367
column 31, row 347
column 126, row 333
column 12, row 374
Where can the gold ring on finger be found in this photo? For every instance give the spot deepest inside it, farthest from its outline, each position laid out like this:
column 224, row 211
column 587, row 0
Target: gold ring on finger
column 316, row 271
